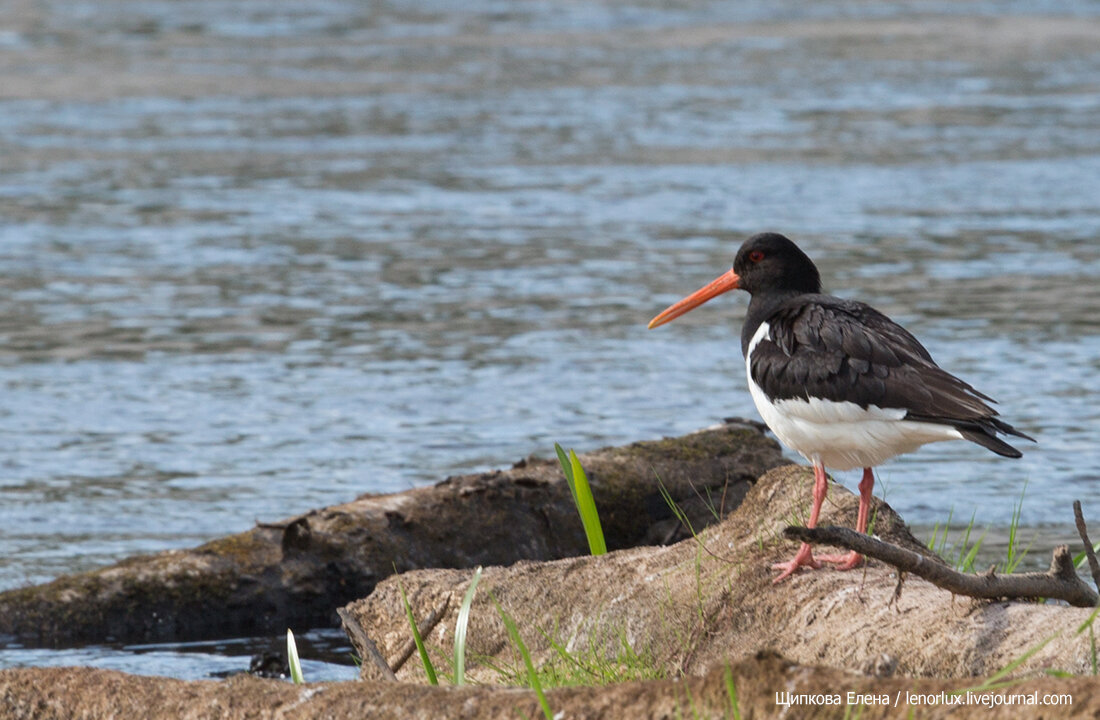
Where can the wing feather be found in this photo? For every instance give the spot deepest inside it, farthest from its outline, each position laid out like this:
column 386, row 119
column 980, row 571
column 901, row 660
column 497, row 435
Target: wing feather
column 839, row 350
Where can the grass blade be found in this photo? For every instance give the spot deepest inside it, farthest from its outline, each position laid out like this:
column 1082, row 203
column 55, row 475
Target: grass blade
column 1015, row 555
column 967, row 562
column 532, row 675
column 582, row 497
column 587, row 505
column 460, row 628
column 429, row 669
column 993, row 679
column 1079, row 558
column 566, row 468
column 292, row 659
column 1092, row 649
column 731, row 691
column 943, row 538
column 1087, row 625
column 677, row 511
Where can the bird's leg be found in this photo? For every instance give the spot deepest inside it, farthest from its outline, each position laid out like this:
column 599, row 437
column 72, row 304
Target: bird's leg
column 853, row 559
column 805, row 557
column 866, row 485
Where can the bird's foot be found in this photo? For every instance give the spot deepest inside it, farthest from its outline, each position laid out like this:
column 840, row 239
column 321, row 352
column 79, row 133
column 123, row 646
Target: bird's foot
column 804, row 558
column 843, row 562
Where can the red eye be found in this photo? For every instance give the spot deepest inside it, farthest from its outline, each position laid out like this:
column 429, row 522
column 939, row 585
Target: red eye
column 756, row 256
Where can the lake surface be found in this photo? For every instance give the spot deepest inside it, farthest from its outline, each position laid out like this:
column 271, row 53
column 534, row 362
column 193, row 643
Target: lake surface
column 261, row 257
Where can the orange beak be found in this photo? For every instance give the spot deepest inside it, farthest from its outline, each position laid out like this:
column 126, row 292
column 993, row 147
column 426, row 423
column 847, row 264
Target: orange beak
column 724, row 283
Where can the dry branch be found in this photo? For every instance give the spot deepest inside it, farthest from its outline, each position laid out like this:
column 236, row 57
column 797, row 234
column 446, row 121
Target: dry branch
column 425, row 628
column 365, row 645
column 1094, row 566
column 1059, row 582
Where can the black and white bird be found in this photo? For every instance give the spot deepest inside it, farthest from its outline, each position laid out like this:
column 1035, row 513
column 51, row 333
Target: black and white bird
column 837, row 381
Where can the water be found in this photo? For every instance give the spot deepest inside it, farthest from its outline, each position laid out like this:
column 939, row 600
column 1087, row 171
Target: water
column 261, row 257
column 201, row 660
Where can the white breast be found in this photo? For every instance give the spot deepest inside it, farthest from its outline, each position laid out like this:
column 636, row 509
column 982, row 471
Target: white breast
column 840, row 435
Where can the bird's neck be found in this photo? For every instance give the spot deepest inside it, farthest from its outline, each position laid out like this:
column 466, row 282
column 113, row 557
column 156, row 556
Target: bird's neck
column 761, row 307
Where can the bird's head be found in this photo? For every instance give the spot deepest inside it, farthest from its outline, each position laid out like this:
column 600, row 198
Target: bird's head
column 766, row 262
column 772, row 262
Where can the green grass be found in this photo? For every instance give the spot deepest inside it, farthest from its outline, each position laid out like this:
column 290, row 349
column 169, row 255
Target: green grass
column 533, row 679
column 963, row 552
column 705, row 591
column 1081, row 558
column 582, row 496
column 1092, row 649
column 731, row 693
column 1014, row 555
column 292, row 659
column 596, row 666
column 426, row 661
column 605, row 659
column 677, row 511
column 997, row 680
column 460, row 629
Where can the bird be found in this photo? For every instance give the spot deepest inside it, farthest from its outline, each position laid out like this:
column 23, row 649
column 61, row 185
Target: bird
column 839, row 382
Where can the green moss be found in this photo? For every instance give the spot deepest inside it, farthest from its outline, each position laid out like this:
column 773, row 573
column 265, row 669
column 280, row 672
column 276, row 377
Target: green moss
column 247, row 548
column 699, row 447
column 344, row 523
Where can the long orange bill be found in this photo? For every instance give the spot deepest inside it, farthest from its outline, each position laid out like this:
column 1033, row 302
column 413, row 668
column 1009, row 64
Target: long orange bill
column 724, row 283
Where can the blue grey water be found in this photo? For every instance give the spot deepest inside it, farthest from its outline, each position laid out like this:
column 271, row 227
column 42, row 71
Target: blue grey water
column 261, row 257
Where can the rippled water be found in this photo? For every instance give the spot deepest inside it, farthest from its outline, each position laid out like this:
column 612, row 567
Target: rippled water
column 259, row 257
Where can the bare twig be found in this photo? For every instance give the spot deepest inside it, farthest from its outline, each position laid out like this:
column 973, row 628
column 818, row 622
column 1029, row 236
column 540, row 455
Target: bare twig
column 361, row 640
column 1094, row 566
column 1060, row 582
column 425, row 629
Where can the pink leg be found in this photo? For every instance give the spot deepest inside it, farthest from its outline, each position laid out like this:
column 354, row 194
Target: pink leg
column 853, row 559
column 805, row 556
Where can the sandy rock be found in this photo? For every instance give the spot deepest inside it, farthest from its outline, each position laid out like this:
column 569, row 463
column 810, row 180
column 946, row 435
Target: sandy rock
column 692, row 606
column 759, row 681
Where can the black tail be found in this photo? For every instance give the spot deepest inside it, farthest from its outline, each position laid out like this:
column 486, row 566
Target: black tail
column 984, row 434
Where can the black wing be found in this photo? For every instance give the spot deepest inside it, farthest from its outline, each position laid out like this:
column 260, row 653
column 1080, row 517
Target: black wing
column 841, row 350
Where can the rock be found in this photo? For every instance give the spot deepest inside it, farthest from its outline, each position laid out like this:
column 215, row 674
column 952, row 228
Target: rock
column 759, row 683
column 691, row 607
column 295, row 573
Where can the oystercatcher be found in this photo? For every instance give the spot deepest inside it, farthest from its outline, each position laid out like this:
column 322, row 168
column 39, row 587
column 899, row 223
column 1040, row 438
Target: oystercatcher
column 837, row 381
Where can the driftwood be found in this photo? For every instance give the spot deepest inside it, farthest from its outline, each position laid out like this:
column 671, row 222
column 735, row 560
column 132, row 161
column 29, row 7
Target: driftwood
column 366, row 646
column 295, row 573
column 424, row 628
column 1082, row 530
column 1060, row 582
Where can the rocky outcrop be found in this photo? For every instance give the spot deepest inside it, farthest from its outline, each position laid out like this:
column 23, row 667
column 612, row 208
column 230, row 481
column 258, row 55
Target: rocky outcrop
column 297, row 572
column 689, row 608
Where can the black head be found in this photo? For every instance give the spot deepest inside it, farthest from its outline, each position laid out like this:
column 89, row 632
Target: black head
column 770, row 262
column 768, row 265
